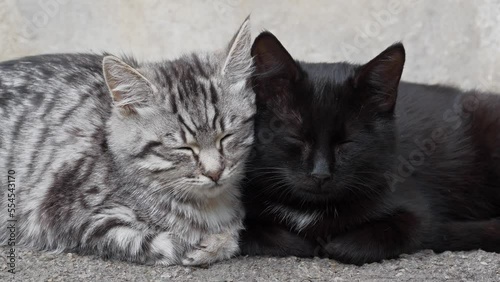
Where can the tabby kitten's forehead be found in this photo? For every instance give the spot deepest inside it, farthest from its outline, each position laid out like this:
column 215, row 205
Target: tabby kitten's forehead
column 203, row 92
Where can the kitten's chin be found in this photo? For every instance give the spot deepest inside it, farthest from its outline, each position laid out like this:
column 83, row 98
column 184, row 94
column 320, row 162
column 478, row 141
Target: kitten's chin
column 317, row 194
column 309, row 187
column 212, row 190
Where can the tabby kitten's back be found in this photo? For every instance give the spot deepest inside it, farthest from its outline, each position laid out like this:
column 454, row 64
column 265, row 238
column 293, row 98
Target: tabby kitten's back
column 147, row 174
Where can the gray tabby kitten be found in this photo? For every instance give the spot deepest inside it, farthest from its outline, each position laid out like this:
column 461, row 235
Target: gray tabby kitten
column 125, row 160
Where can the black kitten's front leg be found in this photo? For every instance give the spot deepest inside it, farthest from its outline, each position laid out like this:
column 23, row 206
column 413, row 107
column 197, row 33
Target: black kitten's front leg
column 274, row 240
column 376, row 240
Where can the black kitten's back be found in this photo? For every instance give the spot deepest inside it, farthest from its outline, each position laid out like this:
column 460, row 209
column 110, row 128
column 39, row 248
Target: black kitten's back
column 450, row 140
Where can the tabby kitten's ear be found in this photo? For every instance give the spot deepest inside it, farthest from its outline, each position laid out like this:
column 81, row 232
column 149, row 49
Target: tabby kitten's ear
column 275, row 69
column 378, row 80
column 129, row 89
column 238, row 64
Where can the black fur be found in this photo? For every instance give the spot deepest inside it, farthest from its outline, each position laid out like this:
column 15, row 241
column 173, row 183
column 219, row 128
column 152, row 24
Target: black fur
column 353, row 165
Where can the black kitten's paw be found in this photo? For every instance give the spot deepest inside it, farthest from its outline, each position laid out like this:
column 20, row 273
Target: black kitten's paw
column 346, row 250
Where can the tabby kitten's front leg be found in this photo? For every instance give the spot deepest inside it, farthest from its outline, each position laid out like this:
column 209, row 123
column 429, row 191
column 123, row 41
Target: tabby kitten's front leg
column 120, row 236
column 213, row 248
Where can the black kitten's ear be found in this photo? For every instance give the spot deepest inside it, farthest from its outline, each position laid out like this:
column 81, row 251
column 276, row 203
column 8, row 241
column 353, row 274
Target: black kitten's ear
column 274, row 67
column 378, row 80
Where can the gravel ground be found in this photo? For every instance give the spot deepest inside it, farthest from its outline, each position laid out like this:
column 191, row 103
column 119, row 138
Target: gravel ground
column 423, row 266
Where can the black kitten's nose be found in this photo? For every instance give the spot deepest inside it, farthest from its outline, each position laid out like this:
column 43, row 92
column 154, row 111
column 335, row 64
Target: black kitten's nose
column 321, row 175
column 321, row 169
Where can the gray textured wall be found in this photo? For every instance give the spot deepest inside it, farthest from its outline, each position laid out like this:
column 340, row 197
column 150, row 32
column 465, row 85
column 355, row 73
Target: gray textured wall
column 456, row 42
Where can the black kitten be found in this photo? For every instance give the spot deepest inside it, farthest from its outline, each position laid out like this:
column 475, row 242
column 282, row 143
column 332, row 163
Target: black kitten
column 344, row 167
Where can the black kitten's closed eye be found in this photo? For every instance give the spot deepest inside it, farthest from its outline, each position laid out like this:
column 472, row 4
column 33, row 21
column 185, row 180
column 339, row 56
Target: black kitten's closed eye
column 293, row 140
column 293, row 144
column 343, row 145
column 345, row 142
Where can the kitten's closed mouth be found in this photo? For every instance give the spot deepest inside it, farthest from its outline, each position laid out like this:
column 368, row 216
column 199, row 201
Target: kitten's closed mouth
column 216, row 185
column 318, row 191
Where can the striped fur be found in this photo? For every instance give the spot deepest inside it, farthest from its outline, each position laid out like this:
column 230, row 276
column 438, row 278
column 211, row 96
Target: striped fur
column 148, row 174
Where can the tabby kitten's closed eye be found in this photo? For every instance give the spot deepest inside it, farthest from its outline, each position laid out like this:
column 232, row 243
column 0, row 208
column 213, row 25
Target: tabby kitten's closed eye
column 126, row 160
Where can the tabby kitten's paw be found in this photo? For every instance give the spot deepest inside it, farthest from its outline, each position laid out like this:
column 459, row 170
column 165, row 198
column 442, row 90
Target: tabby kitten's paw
column 212, row 248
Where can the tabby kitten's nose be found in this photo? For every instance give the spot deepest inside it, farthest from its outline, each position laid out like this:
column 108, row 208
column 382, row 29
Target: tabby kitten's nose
column 214, row 174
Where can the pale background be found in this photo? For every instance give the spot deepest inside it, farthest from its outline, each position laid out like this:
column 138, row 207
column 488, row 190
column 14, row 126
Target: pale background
column 454, row 42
